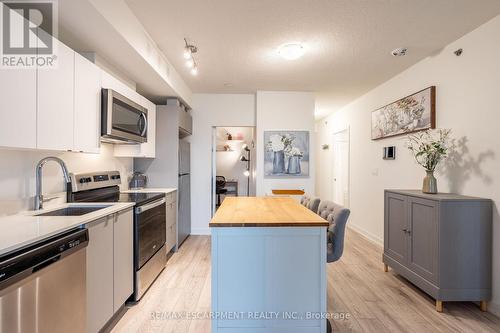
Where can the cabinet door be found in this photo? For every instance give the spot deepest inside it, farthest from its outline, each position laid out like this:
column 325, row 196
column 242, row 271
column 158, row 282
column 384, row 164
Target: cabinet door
column 123, row 265
column 423, row 243
column 111, row 82
column 55, row 99
column 395, row 224
column 87, row 120
column 99, row 274
column 18, row 108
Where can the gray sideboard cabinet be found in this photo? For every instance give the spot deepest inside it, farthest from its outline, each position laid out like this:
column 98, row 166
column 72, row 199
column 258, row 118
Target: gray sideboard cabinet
column 442, row 243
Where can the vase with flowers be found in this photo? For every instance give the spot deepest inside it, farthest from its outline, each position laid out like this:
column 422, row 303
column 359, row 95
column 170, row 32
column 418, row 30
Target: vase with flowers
column 294, row 155
column 277, row 147
column 429, row 148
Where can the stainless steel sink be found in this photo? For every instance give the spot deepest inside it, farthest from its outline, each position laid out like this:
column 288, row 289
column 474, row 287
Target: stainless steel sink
column 73, row 211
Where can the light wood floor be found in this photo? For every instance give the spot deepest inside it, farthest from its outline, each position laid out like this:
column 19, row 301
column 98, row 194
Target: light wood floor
column 376, row 301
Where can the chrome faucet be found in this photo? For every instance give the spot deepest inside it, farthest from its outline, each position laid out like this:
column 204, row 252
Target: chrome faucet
column 39, row 166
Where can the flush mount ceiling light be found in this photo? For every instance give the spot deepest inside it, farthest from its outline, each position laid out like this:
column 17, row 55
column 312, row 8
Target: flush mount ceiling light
column 189, row 51
column 399, row 52
column 291, row 51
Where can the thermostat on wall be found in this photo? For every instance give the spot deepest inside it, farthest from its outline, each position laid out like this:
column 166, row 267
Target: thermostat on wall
column 389, row 153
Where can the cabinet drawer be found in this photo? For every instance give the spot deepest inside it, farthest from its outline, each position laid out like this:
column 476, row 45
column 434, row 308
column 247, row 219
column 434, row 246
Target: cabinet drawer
column 171, row 197
column 171, row 213
column 171, row 237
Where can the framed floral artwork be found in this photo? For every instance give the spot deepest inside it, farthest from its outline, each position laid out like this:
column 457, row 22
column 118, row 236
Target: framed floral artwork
column 286, row 153
column 413, row 113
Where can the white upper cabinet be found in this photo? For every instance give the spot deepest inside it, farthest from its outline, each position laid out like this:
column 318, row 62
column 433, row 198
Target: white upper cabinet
column 110, row 82
column 55, row 101
column 87, row 116
column 18, row 108
column 59, row 107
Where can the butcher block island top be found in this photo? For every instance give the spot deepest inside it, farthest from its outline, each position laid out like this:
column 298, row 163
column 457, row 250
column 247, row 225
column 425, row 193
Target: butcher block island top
column 265, row 212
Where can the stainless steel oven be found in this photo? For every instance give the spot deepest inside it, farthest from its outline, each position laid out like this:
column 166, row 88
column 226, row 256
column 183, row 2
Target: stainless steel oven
column 149, row 238
column 150, row 255
column 122, row 120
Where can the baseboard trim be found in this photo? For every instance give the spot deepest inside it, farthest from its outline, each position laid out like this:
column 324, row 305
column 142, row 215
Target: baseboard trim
column 369, row 236
column 200, row 231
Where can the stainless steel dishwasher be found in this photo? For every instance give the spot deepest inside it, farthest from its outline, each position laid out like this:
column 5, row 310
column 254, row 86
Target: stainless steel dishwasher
column 42, row 287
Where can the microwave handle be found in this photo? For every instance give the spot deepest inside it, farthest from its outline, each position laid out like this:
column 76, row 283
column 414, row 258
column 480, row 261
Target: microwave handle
column 143, row 115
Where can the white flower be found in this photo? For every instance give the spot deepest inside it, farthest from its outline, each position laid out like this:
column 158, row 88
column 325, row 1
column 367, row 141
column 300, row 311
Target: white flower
column 295, row 152
column 276, row 142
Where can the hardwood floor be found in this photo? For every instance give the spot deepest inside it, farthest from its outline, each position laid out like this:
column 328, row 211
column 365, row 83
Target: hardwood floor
column 374, row 301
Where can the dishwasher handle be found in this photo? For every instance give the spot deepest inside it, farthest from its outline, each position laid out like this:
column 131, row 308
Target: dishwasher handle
column 46, row 263
column 18, row 265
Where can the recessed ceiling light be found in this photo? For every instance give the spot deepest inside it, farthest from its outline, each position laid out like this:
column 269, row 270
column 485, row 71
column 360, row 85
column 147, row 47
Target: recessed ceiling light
column 291, row 51
column 194, row 71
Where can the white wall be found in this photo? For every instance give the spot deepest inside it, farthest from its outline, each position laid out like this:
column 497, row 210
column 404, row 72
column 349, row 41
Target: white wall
column 162, row 171
column 467, row 91
column 280, row 110
column 211, row 110
column 228, row 163
column 17, row 173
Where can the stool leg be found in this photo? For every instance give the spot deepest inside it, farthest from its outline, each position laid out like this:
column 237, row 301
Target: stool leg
column 386, row 268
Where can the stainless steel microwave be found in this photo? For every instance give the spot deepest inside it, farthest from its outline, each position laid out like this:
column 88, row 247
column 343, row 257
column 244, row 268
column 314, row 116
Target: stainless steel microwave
column 122, row 120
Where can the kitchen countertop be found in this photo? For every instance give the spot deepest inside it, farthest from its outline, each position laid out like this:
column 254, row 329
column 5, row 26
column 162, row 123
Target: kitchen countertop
column 151, row 190
column 265, row 212
column 23, row 229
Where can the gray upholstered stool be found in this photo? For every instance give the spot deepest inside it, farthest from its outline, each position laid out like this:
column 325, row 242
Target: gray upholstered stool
column 337, row 216
column 310, row 202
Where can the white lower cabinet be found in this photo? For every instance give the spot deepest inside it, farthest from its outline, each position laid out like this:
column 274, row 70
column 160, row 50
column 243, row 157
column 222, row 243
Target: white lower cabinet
column 99, row 274
column 171, row 237
column 109, row 267
column 123, row 264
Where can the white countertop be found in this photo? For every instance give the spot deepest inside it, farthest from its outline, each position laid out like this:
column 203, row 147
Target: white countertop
column 20, row 230
column 151, row 190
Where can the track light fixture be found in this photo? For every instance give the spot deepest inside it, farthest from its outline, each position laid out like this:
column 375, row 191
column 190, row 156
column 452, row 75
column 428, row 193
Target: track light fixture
column 189, row 51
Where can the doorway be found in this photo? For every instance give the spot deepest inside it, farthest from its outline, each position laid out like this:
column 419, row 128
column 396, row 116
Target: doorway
column 233, row 163
column 341, row 156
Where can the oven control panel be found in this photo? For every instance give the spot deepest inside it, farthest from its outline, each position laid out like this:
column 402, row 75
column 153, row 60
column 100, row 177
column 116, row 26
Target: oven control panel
column 90, row 181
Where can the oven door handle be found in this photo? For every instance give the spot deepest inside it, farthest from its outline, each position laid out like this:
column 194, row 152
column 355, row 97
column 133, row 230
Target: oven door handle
column 142, row 209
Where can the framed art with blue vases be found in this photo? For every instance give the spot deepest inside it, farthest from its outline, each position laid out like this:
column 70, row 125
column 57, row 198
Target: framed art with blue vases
column 286, row 154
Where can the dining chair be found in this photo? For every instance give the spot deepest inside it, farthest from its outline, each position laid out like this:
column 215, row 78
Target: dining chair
column 220, row 183
column 337, row 216
column 310, row 202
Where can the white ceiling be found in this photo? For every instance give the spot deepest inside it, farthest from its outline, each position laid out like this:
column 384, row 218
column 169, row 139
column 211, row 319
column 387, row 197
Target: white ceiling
column 348, row 42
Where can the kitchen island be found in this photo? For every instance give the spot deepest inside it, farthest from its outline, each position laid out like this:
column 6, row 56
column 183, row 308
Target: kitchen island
column 268, row 267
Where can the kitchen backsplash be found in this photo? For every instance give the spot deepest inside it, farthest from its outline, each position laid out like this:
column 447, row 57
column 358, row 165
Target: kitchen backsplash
column 17, row 174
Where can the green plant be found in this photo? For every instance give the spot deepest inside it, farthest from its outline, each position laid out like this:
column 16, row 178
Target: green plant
column 429, row 147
